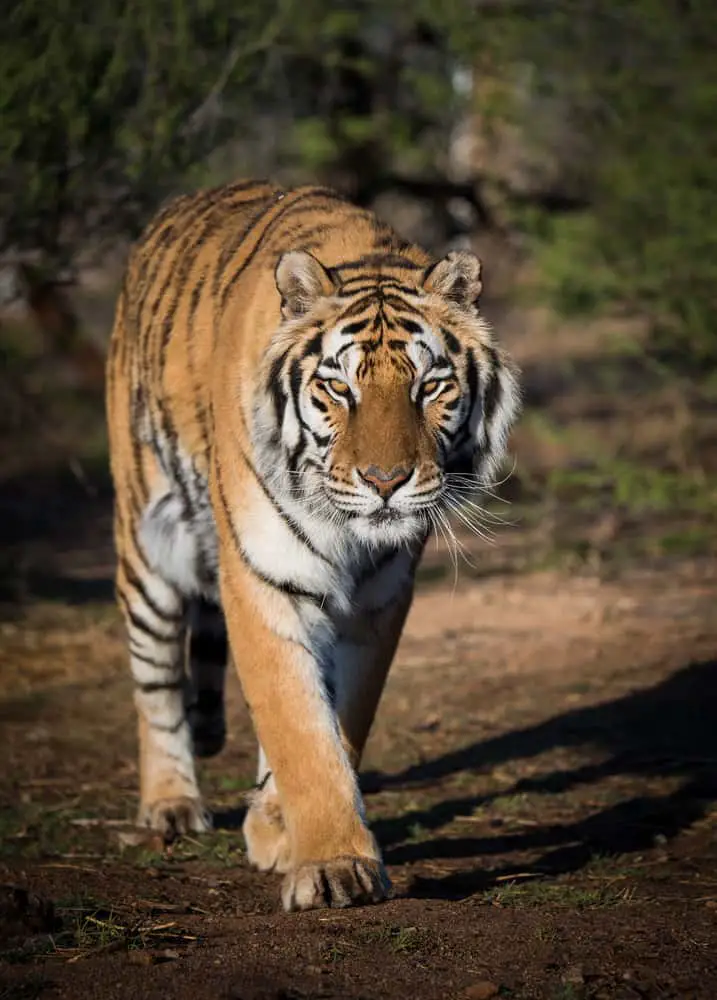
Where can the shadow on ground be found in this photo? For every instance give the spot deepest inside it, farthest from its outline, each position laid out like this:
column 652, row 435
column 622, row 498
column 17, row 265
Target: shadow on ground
column 665, row 731
column 50, row 521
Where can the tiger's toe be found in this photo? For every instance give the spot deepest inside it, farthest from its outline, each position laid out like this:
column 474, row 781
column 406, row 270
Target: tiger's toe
column 172, row 818
column 341, row 882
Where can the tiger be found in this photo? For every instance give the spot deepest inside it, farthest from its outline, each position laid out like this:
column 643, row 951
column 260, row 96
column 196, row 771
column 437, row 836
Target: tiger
column 292, row 388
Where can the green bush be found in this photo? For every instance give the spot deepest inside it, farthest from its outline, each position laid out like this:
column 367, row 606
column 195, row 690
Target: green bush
column 104, row 105
column 640, row 82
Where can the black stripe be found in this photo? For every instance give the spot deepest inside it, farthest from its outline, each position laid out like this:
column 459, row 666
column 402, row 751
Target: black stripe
column 296, row 529
column 173, row 728
column 159, row 686
column 296, row 453
column 138, row 412
column 374, row 283
column 394, row 302
column 356, row 327
column 313, row 346
column 287, row 209
column 164, row 212
column 379, row 260
column 150, row 661
column 347, row 293
column 308, row 237
column 230, row 249
column 232, row 528
column 283, row 586
column 260, row 786
column 322, row 440
column 141, row 625
column 326, row 891
column 214, row 217
column 295, row 382
column 134, row 581
column 410, row 325
column 276, row 390
column 199, row 408
column 493, row 389
column 359, row 306
column 195, row 208
column 452, row 342
column 472, row 377
column 295, row 388
column 144, row 287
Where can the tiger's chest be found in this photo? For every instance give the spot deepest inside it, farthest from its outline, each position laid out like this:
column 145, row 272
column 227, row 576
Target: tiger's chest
column 280, row 547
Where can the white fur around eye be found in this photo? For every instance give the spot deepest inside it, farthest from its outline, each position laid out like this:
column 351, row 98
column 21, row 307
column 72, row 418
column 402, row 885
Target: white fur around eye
column 340, row 397
column 441, row 384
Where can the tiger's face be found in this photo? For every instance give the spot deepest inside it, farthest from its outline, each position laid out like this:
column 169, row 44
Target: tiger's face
column 386, row 392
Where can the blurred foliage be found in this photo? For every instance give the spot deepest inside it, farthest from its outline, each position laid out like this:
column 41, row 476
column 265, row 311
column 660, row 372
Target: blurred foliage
column 104, row 104
column 107, row 107
column 639, row 81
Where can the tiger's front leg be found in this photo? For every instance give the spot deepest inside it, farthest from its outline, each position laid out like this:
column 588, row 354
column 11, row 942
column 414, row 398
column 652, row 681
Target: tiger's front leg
column 331, row 856
column 362, row 658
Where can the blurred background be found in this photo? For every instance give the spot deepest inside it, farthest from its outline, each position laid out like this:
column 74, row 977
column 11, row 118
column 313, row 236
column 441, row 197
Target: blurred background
column 571, row 144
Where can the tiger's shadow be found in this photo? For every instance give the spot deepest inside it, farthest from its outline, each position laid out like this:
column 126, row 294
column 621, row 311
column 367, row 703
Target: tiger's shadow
column 665, row 731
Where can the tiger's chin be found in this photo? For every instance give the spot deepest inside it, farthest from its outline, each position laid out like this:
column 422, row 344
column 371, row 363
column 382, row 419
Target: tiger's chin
column 388, row 528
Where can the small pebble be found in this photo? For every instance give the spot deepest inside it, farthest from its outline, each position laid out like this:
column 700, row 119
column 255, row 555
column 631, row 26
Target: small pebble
column 482, row 990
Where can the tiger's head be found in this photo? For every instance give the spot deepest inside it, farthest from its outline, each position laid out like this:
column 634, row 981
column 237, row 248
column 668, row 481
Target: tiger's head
column 385, row 392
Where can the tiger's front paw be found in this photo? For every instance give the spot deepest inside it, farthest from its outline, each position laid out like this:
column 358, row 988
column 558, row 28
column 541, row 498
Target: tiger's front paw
column 267, row 841
column 340, row 882
column 173, row 817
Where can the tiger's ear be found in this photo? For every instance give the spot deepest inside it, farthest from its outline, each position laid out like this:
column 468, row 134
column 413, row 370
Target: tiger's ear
column 301, row 280
column 457, row 277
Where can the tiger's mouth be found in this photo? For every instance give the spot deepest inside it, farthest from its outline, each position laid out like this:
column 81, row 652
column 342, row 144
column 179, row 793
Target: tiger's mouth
column 386, row 515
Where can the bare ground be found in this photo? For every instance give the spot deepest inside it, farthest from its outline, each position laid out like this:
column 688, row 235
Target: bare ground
column 542, row 774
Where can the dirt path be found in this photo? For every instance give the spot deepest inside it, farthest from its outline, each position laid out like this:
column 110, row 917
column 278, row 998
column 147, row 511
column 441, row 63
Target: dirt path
column 543, row 771
column 542, row 777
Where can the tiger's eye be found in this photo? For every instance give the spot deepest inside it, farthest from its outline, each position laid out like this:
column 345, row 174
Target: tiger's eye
column 430, row 387
column 340, row 388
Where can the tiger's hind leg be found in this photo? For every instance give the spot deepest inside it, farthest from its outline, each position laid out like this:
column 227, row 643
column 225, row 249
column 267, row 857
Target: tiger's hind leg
column 208, row 653
column 155, row 616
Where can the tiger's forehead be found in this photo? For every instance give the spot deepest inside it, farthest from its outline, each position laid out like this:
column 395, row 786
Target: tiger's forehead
column 384, row 335
column 406, row 354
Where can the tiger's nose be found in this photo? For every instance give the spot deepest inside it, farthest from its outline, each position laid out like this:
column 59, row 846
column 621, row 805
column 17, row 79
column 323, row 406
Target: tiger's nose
column 385, row 483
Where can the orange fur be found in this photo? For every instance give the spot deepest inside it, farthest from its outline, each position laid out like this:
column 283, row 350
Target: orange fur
column 291, row 388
